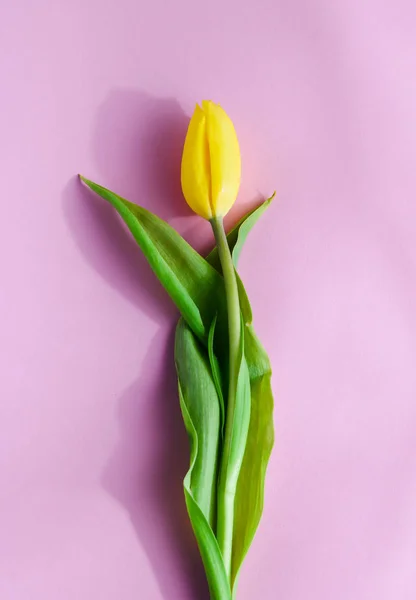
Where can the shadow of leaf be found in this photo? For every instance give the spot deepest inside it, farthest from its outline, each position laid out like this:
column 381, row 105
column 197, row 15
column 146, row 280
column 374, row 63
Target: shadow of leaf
column 146, row 470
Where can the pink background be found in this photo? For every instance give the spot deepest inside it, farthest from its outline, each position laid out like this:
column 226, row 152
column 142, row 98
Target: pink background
column 92, row 446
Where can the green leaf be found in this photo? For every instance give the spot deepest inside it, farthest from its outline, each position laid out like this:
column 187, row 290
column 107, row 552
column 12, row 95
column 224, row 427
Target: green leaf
column 245, row 225
column 238, row 234
column 244, row 301
column 250, row 488
column 201, row 413
column 195, row 286
column 233, row 450
column 216, row 372
column 208, row 547
column 203, row 406
column 241, row 414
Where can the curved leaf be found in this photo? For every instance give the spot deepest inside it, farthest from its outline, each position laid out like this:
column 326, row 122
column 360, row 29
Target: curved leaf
column 238, row 234
column 194, row 285
column 250, row 488
column 245, row 225
column 201, row 413
column 216, row 372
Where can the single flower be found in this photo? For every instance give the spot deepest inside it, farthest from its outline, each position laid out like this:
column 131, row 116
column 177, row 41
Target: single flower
column 211, row 162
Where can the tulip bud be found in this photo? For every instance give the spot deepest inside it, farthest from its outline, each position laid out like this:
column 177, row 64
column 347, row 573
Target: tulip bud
column 211, row 163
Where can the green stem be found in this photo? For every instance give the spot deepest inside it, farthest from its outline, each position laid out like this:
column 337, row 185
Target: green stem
column 228, row 480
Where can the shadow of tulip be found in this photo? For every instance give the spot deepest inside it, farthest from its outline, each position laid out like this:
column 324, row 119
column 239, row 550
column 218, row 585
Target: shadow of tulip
column 137, row 145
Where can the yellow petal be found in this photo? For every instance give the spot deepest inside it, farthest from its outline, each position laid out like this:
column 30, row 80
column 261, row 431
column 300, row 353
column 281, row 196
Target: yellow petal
column 225, row 159
column 195, row 170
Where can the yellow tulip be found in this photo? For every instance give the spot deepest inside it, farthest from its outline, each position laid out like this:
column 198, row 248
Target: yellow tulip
column 211, row 162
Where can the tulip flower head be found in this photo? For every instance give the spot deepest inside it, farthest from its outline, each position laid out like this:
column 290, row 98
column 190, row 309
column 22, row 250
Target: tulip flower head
column 211, row 162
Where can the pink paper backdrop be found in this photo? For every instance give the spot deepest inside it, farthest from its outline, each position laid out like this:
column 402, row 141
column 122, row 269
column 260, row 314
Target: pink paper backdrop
column 92, row 447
